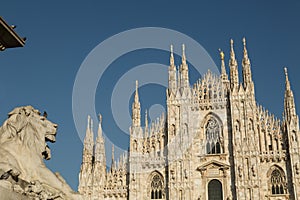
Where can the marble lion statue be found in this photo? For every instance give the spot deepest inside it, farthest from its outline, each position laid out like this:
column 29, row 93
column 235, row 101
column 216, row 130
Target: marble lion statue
column 23, row 147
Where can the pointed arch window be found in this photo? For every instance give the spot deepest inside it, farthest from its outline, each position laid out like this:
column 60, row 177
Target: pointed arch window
column 277, row 182
column 156, row 187
column 213, row 137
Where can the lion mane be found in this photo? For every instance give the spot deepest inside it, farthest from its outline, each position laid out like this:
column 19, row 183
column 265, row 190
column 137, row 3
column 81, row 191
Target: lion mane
column 26, row 127
column 23, row 148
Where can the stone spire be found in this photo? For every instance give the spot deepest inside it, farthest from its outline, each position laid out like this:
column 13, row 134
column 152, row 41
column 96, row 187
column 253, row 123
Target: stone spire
column 287, row 82
column 172, row 63
column 172, row 73
column 289, row 103
column 136, row 96
column 88, row 142
column 234, row 74
column 224, row 76
column 99, row 146
column 136, row 108
column 99, row 167
column 183, row 58
column 184, row 70
column 85, row 181
column 247, row 75
column 112, row 167
column 245, row 58
column 100, row 126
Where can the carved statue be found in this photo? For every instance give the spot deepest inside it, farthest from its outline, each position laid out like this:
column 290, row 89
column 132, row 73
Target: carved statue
column 253, row 170
column 185, row 174
column 23, row 147
column 221, row 54
column 240, row 169
column 297, row 168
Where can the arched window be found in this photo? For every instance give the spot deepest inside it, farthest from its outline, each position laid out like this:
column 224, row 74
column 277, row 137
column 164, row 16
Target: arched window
column 215, row 190
column 212, row 131
column 156, row 187
column 277, row 182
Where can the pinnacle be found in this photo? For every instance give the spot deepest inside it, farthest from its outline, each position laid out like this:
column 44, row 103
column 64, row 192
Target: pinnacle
column 99, row 137
column 246, row 58
column 287, row 82
column 136, row 97
column 183, row 55
column 172, row 64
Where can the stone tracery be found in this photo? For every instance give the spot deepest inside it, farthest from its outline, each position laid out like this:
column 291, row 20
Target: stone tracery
column 156, row 187
column 212, row 132
column 277, row 181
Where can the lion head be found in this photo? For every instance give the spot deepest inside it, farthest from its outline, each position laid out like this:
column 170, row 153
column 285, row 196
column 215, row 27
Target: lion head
column 26, row 125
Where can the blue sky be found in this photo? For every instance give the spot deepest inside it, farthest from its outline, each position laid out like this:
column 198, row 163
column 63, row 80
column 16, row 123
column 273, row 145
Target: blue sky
column 60, row 35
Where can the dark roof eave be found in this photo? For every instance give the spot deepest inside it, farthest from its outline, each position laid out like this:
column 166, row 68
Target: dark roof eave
column 8, row 37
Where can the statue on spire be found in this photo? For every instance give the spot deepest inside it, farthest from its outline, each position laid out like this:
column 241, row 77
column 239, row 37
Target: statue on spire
column 247, row 75
column 184, row 71
column 88, row 140
column 100, row 118
column 136, row 97
column 221, row 54
column 224, row 76
column 232, row 61
column 287, row 82
column 234, row 76
column 172, row 73
column 99, row 137
column 289, row 102
column 172, row 63
column 245, row 58
column 183, row 55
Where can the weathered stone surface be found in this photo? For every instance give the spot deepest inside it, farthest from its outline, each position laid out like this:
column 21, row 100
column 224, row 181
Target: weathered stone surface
column 215, row 142
column 8, row 194
column 23, row 147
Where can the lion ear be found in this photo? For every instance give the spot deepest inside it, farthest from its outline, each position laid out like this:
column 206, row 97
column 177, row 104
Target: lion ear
column 17, row 121
column 20, row 123
column 12, row 113
column 11, row 130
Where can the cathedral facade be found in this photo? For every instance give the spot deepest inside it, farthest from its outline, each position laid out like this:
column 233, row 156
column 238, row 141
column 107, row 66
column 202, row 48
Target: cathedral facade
column 215, row 143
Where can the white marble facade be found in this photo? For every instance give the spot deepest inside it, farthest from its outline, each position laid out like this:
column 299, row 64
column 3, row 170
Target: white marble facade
column 215, row 142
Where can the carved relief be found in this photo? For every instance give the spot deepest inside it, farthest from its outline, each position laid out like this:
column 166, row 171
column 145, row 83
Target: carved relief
column 297, row 168
column 253, row 170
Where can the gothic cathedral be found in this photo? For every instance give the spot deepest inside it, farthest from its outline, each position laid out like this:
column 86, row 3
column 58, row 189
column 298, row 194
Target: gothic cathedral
column 214, row 143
